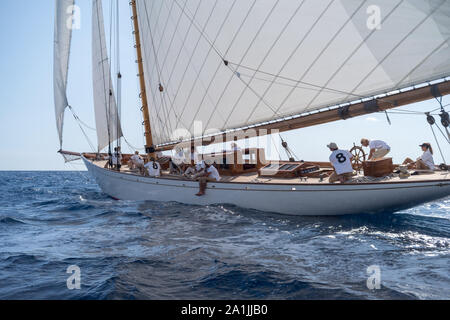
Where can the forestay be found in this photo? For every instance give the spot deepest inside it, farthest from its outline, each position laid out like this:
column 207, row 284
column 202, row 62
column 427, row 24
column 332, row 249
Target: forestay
column 62, row 40
column 106, row 115
column 232, row 63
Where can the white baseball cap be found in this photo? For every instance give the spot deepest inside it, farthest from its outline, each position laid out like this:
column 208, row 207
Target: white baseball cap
column 332, row 145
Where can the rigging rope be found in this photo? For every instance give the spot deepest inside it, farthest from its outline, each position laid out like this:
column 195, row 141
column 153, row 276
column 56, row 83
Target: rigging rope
column 437, row 142
column 82, row 130
column 290, row 154
column 276, row 148
column 119, row 75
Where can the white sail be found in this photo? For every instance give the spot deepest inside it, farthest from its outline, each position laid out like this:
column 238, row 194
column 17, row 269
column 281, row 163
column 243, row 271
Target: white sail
column 62, row 39
column 284, row 57
column 106, row 116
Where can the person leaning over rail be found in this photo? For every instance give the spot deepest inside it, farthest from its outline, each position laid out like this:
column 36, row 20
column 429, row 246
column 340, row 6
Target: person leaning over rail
column 210, row 175
column 342, row 164
column 425, row 161
column 378, row 149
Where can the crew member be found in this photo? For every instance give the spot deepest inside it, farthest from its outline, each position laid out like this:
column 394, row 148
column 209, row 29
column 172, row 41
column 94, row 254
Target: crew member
column 136, row 160
column 196, row 171
column 154, row 168
column 378, row 148
column 342, row 163
column 210, row 175
column 425, row 161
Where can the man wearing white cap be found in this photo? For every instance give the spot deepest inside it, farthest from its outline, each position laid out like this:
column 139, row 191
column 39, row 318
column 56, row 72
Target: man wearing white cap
column 342, row 163
column 210, row 175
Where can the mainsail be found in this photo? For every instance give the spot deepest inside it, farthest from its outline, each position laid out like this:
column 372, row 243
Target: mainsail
column 106, row 114
column 229, row 64
column 62, row 39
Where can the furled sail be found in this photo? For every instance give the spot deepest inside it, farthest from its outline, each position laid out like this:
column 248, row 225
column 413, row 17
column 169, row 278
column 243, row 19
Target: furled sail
column 213, row 66
column 106, row 115
column 62, row 39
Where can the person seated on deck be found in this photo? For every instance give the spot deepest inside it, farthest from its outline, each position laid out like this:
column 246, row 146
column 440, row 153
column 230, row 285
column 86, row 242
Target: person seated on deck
column 378, row 149
column 174, row 168
column 193, row 172
column 180, row 160
column 210, row 175
column 342, row 163
column 154, row 168
column 425, row 161
column 135, row 161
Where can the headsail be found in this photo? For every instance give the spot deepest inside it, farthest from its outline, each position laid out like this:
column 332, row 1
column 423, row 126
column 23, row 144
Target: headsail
column 106, row 114
column 62, row 39
column 231, row 63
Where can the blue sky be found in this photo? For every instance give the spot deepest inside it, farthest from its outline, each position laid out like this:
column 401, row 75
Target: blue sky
column 27, row 127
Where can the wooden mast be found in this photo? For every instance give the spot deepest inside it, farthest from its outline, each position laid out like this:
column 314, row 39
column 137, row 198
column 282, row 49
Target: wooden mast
column 354, row 110
column 149, row 148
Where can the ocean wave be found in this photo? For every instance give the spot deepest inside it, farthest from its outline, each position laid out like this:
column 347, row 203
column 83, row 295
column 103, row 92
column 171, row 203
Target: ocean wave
column 10, row 221
column 154, row 250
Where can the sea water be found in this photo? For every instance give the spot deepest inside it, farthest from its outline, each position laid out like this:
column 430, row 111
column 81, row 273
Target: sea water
column 62, row 238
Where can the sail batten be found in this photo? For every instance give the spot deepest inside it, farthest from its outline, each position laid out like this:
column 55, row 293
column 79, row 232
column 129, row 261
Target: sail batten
column 61, row 53
column 106, row 114
column 263, row 61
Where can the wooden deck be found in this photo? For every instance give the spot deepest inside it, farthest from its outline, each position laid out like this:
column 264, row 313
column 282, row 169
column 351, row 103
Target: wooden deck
column 254, row 178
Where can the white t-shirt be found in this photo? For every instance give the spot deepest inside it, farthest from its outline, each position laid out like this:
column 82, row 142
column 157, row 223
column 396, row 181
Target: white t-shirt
column 340, row 159
column 151, row 169
column 378, row 144
column 137, row 159
column 213, row 173
column 116, row 159
column 200, row 166
column 179, row 157
column 427, row 158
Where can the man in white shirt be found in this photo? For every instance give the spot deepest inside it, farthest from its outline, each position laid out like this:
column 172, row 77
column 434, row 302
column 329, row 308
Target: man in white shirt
column 210, row 175
column 378, row 148
column 154, row 168
column 342, row 164
column 195, row 171
column 136, row 160
column 179, row 157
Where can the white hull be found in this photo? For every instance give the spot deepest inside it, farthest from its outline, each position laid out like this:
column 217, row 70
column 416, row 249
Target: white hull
column 290, row 199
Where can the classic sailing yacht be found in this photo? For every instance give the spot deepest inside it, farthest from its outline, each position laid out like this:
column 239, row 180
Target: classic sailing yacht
column 226, row 70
